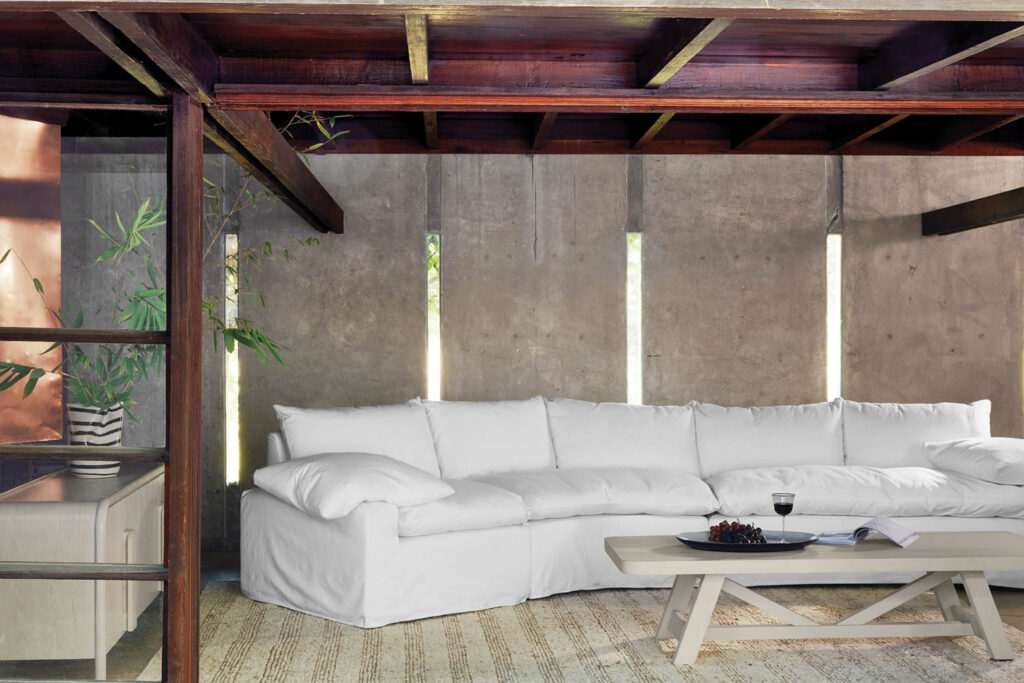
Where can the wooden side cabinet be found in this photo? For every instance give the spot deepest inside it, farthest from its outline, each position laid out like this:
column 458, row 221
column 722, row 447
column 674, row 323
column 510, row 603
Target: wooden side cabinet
column 60, row 518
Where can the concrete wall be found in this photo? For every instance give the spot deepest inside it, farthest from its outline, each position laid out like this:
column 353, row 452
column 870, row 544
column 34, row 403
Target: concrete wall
column 533, row 277
column 938, row 318
column 734, row 279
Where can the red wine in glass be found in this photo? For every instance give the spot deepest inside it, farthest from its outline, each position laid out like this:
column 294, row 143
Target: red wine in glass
column 783, row 506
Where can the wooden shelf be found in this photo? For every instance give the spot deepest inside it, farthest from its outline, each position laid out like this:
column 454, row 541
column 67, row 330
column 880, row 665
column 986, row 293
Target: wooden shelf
column 66, row 452
column 82, row 571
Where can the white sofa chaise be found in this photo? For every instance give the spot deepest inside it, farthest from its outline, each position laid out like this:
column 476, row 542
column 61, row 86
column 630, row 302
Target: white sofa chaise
column 538, row 484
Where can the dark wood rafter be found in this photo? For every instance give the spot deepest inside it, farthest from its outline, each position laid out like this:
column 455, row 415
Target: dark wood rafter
column 543, row 125
column 857, row 133
column 678, row 42
column 65, row 101
column 962, row 130
column 182, row 54
column 748, row 134
column 416, row 39
column 978, row 213
column 111, row 43
column 649, row 129
column 82, row 336
column 274, row 97
column 930, row 47
column 184, row 389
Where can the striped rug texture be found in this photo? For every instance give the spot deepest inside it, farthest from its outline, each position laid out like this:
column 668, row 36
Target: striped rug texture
column 586, row 636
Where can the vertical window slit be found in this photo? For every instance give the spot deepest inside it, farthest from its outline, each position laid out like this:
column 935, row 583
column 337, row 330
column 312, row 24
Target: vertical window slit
column 434, row 317
column 634, row 318
column 232, row 433
column 834, row 314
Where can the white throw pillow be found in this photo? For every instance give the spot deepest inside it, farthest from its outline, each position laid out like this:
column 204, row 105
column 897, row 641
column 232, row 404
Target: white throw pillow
column 998, row 460
column 331, row 485
column 478, row 437
column 893, row 434
column 738, row 438
column 588, row 434
column 398, row 431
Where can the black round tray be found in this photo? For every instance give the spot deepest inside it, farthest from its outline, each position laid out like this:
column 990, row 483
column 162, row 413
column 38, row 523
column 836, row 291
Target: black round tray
column 698, row 540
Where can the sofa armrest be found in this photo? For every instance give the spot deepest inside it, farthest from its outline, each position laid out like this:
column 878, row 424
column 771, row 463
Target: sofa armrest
column 322, row 567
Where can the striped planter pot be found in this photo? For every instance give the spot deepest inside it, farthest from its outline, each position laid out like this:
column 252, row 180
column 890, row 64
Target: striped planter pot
column 92, row 426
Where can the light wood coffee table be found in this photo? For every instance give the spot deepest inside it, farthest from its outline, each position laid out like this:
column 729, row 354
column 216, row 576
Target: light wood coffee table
column 939, row 556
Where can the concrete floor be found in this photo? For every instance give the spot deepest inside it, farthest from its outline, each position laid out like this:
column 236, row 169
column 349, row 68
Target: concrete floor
column 131, row 654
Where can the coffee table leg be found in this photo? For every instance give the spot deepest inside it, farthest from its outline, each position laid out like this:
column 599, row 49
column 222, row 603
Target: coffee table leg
column 945, row 594
column 678, row 599
column 700, row 616
column 989, row 622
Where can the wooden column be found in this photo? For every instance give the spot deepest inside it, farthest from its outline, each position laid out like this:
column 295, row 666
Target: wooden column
column 184, row 392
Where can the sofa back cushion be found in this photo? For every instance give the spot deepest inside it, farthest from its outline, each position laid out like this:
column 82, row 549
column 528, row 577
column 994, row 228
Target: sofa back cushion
column 586, row 434
column 397, row 431
column 893, row 434
column 775, row 436
column 478, row 437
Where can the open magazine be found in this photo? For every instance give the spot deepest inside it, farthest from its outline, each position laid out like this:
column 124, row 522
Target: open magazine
column 900, row 535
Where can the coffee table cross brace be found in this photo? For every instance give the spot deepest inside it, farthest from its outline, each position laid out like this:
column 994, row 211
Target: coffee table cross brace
column 695, row 627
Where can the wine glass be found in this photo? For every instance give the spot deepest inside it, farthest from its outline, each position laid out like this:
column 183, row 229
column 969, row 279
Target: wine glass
column 783, row 506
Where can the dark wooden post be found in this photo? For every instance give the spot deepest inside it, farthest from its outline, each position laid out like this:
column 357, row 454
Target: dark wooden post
column 184, row 389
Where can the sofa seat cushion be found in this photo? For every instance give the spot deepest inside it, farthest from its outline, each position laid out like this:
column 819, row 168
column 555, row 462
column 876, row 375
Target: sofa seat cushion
column 474, row 505
column 587, row 435
column 865, row 491
column 607, row 491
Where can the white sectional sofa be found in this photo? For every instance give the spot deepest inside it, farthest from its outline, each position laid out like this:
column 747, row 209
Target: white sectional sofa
column 538, row 484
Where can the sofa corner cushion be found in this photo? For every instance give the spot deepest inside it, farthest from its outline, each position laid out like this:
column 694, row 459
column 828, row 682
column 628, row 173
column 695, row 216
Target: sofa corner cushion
column 894, row 434
column 398, row 431
column 331, row 485
column 482, row 437
column 474, row 505
column 586, row 434
column 553, row 494
column 739, row 438
column 998, row 460
column 865, row 491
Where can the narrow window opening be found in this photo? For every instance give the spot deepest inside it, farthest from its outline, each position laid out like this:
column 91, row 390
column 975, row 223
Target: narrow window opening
column 634, row 319
column 834, row 314
column 434, row 317
column 232, row 433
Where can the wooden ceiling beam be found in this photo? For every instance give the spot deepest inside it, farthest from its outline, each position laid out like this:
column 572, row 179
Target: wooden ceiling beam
column 678, row 42
column 997, row 208
column 416, row 39
column 542, row 129
column 60, row 100
column 277, row 97
column 649, row 130
column 111, row 43
column 930, row 47
column 184, row 56
column 961, row 130
column 849, row 136
column 747, row 135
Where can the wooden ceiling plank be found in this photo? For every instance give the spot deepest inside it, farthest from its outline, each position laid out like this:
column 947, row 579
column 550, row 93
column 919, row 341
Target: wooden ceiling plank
column 678, row 43
column 276, row 97
column 997, row 208
column 962, row 130
column 748, row 135
column 930, row 47
column 649, row 131
column 542, row 129
column 181, row 53
column 854, row 135
column 416, row 38
column 113, row 45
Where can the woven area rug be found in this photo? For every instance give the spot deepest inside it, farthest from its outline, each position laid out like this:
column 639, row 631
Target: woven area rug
column 587, row 636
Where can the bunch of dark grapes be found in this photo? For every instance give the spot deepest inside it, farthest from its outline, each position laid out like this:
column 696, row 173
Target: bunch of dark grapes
column 734, row 532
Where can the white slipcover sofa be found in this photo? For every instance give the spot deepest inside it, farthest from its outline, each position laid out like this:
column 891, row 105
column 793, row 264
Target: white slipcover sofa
column 539, row 483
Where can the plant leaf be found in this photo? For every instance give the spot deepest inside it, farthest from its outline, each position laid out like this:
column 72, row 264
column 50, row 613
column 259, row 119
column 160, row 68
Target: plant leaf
column 38, row 284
